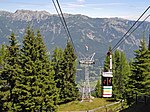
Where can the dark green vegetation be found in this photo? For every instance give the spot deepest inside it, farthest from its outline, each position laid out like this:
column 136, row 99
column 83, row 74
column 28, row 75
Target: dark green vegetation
column 98, row 90
column 96, row 33
column 65, row 70
column 33, row 80
column 131, row 79
column 30, row 81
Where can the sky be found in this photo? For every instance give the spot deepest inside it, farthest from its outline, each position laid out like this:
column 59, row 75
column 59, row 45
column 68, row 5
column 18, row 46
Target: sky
column 128, row 9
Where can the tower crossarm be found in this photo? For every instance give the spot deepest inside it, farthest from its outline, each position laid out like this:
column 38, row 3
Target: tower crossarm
column 88, row 60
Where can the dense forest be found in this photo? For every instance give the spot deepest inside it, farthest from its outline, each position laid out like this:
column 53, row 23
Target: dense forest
column 130, row 78
column 32, row 80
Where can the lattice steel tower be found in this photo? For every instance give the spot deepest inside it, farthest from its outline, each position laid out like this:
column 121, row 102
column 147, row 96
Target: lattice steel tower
column 86, row 92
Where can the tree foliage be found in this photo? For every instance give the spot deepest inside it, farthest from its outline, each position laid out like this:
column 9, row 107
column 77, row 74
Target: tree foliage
column 27, row 76
column 30, row 81
column 139, row 80
column 64, row 63
column 121, row 73
column 139, row 67
column 36, row 87
column 98, row 90
column 2, row 54
column 9, row 73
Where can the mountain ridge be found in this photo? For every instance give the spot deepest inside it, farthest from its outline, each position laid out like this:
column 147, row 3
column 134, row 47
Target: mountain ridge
column 96, row 33
column 25, row 12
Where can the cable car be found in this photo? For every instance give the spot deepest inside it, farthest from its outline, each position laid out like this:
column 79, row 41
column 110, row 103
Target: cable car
column 107, row 84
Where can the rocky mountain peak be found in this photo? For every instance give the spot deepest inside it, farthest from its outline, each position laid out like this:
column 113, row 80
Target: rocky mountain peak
column 96, row 33
column 4, row 13
column 30, row 15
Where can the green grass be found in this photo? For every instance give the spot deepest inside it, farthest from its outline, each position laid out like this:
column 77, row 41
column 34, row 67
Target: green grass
column 83, row 106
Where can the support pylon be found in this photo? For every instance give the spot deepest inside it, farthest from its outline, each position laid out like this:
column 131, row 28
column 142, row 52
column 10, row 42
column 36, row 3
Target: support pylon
column 86, row 92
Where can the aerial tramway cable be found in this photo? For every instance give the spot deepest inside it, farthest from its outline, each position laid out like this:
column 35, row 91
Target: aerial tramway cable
column 119, row 43
column 63, row 18
column 63, row 21
column 133, row 31
column 123, row 37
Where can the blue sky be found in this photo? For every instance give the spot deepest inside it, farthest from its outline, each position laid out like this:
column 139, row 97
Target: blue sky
column 129, row 9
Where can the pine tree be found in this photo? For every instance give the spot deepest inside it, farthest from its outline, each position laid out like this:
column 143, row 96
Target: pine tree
column 138, row 77
column 147, row 69
column 57, row 59
column 120, row 75
column 98, row 89
column 125, row 73
column 10, row 71
column 2, row 55
column 149, row 43
column 139, row 80
column 2, row 61
column 69, row 64
column 46, row 77
column 117, row 76
column 36, row 87
column 25, row 87
column 65, row 73
column 130, row 94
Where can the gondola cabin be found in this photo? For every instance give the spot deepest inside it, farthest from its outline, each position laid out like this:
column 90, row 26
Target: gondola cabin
column 107, row 84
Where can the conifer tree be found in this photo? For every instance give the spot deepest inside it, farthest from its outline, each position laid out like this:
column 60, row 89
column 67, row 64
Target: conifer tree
column 149, row 43
column 125, row 73
column 10, row 71
column 65, row 73
column 57, row 59
column 2, row 54
column 46, row 77
column 36, row 88
column 98, row 89
column 147, row 69
column 2, row 81
column 121, row 73
column 28, row 79
column 139, row 66
column 139, row 80
column 69, row 63
column 117, row 76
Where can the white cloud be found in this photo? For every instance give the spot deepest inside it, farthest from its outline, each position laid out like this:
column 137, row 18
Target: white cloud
column 81, row 4
column 73, row 5
column 106, row 4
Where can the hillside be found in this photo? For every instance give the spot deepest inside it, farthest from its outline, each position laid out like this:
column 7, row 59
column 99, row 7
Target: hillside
column 95, row 33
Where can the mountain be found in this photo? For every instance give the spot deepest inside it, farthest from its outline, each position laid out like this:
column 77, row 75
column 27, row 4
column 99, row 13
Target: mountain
column 89, row 34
